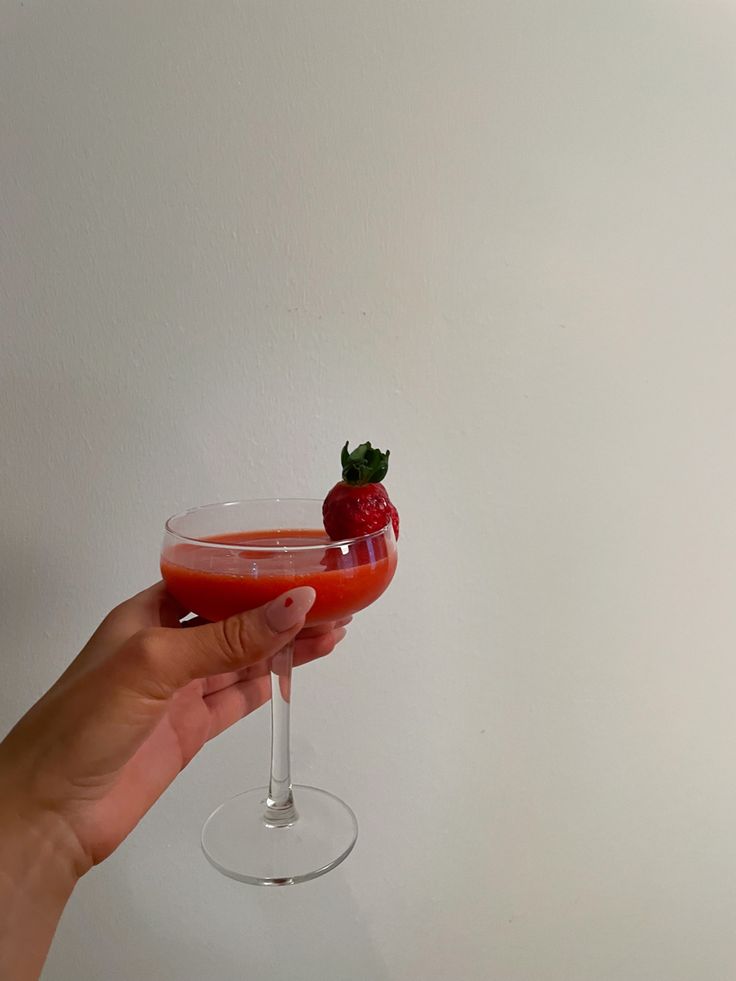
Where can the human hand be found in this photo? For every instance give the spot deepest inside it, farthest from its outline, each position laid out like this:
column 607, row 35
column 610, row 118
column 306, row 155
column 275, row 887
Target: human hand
column 137, row 704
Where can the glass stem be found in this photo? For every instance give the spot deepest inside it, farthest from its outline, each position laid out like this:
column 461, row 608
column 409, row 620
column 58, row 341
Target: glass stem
column 280, row 810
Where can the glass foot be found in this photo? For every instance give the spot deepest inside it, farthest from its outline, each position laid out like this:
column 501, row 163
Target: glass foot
column 238, row 842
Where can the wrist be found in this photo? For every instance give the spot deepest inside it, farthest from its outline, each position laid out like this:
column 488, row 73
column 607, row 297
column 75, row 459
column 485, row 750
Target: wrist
column 38, row 872
column 37, row 840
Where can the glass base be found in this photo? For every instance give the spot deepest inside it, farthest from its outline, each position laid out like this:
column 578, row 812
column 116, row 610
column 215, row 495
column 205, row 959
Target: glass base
column 238, row 842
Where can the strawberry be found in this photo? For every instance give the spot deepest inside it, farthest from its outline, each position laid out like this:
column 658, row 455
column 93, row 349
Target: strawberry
column 359, row 504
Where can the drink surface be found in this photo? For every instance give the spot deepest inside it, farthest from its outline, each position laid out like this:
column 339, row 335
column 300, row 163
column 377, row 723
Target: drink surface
column 220, row 576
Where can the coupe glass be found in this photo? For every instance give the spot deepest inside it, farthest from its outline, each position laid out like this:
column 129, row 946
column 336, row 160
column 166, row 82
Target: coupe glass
column 225, row 558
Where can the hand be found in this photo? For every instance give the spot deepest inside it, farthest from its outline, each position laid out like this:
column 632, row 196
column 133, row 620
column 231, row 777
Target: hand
column 81, row 768
column 137, row 704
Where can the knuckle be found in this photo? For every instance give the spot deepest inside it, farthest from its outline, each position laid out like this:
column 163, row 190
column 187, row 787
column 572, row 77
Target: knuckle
column 142, row 665
column 324, row 645
column 331, row 643
column 110, row 619
column 148, row 644
column 113, row 620
column 235, row 637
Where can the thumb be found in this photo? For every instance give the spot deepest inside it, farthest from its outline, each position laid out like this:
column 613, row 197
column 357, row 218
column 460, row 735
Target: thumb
column 162, row 660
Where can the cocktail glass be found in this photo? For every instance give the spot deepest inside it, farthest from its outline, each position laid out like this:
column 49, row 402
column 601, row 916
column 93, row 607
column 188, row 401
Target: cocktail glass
column 221, row 559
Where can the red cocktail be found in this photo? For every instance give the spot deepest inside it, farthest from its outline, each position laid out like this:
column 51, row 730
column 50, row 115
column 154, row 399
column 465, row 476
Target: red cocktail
column 226, row 574
column 216, row 569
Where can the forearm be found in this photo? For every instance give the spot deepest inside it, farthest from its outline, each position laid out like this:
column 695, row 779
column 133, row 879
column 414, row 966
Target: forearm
column 37, row 877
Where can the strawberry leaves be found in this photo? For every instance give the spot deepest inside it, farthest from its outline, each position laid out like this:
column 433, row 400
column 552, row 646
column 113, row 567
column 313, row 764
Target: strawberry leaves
column 365, row 465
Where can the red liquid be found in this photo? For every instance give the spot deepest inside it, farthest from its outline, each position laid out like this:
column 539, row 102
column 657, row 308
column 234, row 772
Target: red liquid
column 217, row 582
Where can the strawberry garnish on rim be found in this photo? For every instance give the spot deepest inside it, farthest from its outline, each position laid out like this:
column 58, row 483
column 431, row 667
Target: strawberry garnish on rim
column 359, row 504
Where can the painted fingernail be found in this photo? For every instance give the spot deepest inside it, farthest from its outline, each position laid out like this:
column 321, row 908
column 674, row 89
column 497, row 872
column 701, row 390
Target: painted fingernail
column 289, row 609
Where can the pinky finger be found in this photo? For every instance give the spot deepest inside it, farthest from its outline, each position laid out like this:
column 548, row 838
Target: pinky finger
column 314, row 647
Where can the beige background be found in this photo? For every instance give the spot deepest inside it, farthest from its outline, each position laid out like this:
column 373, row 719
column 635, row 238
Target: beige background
column 499, row 238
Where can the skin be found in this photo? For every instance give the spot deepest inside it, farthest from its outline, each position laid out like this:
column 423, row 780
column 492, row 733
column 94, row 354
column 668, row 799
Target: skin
column 83, row 766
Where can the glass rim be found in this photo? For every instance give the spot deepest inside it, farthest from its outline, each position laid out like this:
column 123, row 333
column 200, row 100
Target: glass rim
column 342, row 543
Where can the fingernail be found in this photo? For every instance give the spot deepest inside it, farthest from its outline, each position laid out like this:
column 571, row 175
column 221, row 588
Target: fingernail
column 289, row 609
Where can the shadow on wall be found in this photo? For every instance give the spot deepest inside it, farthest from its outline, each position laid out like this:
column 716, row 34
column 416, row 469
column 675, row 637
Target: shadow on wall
column 312, row 932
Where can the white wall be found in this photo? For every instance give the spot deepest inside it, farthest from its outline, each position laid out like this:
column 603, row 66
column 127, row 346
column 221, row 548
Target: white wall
column 498, row 237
